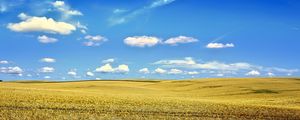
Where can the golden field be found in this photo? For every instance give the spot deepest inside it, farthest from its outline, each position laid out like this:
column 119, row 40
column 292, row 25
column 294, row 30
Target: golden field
column 226, row 98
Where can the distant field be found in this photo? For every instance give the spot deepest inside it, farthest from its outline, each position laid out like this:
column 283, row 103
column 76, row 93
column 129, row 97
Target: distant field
column 251, row 98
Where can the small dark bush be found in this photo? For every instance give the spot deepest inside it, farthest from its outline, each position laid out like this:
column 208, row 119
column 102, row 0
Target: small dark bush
column 265, row 91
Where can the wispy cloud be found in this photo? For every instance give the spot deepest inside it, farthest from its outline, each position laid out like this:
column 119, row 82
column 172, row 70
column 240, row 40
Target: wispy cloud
column 219, row 45
column 6, row 5
column 94, row 40
column 65, row 9
column 120, row 19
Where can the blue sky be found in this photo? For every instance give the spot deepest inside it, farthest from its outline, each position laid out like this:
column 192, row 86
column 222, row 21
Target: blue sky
column 150, row 39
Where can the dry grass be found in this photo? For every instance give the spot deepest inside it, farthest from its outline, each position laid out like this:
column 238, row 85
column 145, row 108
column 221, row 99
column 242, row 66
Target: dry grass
column 257, row 98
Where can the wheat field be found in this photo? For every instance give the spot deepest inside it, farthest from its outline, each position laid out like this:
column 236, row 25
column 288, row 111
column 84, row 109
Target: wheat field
column 226, row 98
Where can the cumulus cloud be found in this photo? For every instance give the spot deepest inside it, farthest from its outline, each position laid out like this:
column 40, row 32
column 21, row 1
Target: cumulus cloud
column 144, row 71
column 111, row 60
column 175, row 71
column 45, row 39
column 160, row 71
column 3, row 62
column 48, row 60
column 94, row 40
column 107, row 68
column 180, row 40
column 219, row 45
column 122, row 69
column 47, row 70
column 72, row 72
column 41, row 24
column 142, row 41
column 90, row 74
column 253, row 73
column 11, row 70
column 24, row 16
column 65, row 9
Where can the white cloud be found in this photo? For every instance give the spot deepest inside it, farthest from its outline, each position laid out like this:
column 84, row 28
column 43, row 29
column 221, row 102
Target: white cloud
column 220, row 75
column 3, row 8
column 47, row 70
column 11, row 70
column 94, row 40
column 46, row 39
column 185, row 61
column 90, row 43
column 282, row 70
column 142, row 41
column 111, row 60
column 82, row 27
column 29, row 75
column 144, row 71
column 122, row 68
column 193, row 73
column 160, row 71
column 158, row 3
column 253, row 73
column 270, row 74
column 83, row 31
column 123, row 18
column 65, row 9
column 90, row 74
column 214, row 65
column 180, row 40
column 72, row 72
column 219, row 45
column 48, row 60
column 188, row 62
column 42, row 24
column 3, row 62
column 117, row 11
column 24, row 16
column 47, row 77
column 175, row 71
column 107, row 68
